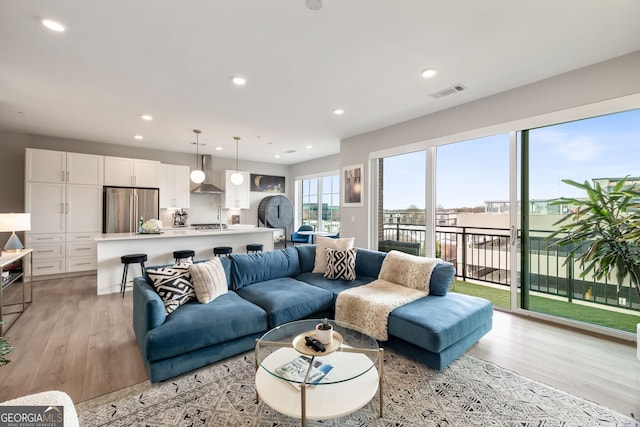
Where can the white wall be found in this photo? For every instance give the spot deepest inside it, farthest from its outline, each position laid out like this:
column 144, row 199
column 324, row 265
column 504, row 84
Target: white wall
column 203, row 206
column 600, row 82
column 315, row 167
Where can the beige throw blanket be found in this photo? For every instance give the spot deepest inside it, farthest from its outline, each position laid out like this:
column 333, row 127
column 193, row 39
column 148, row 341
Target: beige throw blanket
column 367, row 307
column 403, row 278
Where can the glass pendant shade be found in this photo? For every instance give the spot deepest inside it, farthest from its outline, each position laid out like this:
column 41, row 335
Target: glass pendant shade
column 197, row 175
column 236, row 177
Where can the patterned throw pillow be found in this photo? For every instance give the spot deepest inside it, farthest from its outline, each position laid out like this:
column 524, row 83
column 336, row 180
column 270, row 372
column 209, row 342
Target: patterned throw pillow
column 322, row 243
column 341, row 264
column 173, row 284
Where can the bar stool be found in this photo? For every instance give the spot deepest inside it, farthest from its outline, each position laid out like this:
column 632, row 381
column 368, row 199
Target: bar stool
column 131, row 259
column 185, row 254
column 254, row 247
column 222, row 250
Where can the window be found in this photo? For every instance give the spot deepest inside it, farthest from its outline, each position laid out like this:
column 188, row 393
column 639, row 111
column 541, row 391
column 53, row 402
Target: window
column 319, row 203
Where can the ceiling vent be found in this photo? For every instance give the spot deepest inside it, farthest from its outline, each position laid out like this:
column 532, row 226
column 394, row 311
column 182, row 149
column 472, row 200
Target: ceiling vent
column 448, row 91
column 289, row 151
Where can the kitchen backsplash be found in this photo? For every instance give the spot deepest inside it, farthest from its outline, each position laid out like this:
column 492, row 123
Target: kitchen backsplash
column 204, row 210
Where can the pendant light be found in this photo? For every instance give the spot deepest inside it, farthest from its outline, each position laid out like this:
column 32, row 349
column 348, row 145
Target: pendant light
column 236, row 177
column 197, row 175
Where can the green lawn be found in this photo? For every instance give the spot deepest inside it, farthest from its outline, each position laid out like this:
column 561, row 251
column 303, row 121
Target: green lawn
column 588, row 314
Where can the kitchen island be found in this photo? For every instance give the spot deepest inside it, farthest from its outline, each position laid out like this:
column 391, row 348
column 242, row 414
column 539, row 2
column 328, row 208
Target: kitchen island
column 159, row 248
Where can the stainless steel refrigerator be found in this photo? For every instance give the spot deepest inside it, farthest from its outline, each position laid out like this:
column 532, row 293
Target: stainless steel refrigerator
column 124, row 206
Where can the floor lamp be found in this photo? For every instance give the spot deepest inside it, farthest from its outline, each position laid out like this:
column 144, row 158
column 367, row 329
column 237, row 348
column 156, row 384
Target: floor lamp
column 14, row 222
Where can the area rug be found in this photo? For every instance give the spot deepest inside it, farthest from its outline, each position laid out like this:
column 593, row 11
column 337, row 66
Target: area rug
column 470, row 392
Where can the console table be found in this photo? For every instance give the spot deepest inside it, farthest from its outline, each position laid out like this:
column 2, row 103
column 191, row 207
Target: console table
column 11, row 304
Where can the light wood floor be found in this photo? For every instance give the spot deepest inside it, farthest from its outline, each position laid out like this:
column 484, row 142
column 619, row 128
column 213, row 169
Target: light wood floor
column 72, row 340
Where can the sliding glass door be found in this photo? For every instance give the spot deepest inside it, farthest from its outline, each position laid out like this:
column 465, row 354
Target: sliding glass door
column 599, row 151
column 490, row 204
column 402, row 197
column 473, row 215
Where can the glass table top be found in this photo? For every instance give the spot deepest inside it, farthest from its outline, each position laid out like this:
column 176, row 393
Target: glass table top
column 282, row 353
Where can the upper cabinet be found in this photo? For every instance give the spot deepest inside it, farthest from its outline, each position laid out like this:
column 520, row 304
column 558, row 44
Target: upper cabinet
column 85, row 169
column 124, row 172
column 175, row 187
column 62, row 167
column 236, row 196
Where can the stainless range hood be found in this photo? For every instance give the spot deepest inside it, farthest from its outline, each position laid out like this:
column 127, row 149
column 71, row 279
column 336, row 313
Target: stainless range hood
column 206, row 188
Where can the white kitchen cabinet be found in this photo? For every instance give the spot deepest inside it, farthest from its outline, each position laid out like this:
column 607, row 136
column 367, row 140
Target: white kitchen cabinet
column 60, row 166
column 81, row 252
column 175, row 187
column 236, row 196
column 45, row 165
column 65, row 219
column 48, row 252
column 60, row 208
column 125, row 172
column 47, row 204
column 85, row 169
column 84, row 208
column 63, row 194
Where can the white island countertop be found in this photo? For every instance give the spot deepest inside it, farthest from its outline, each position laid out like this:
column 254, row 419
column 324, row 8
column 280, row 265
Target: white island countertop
column 159, row 248
column 184, row 232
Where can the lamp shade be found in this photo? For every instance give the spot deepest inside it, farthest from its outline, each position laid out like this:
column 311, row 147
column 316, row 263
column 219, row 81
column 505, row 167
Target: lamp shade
column 14, row 222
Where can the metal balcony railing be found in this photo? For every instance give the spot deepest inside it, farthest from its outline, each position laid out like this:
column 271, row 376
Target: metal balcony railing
column 483, row 254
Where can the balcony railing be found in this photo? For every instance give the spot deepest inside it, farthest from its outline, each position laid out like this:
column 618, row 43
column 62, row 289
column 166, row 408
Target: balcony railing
column 483, row 254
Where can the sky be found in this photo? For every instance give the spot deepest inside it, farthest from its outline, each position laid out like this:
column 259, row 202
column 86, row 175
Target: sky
column 471, row 172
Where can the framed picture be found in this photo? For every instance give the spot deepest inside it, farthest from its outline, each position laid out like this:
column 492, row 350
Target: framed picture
column 352, row 185
column 267, row 183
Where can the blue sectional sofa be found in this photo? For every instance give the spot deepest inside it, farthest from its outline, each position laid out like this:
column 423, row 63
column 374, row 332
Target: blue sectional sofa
column 271, row 288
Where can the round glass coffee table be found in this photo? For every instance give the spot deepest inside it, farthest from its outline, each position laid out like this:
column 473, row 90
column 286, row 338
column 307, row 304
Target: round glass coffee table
column 302, row 383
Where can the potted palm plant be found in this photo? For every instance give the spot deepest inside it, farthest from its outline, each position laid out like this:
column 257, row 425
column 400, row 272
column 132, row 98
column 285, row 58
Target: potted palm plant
column 324, row 332
column 603, row 233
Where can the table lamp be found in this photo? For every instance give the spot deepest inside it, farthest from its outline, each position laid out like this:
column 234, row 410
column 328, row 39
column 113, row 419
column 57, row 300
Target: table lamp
column 14, row 222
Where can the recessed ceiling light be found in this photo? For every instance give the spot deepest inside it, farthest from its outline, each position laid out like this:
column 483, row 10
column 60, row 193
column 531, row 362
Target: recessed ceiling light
column 138, row 137
column 309, row 146
column 218, row 148
column 53, row 25
column 277, row 156
column 146, row 117
column 239, row 81
column 338, row 111
column 429, row 72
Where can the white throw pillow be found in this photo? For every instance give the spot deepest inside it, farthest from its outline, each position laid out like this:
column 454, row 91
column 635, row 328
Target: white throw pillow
column 322, row 243
column 209, row 280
